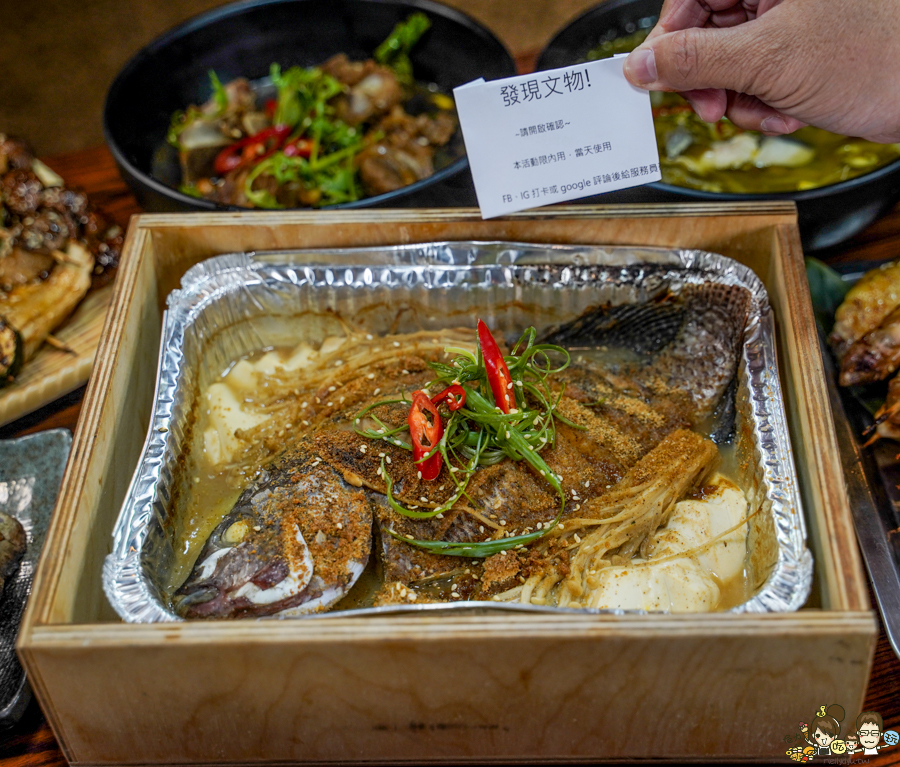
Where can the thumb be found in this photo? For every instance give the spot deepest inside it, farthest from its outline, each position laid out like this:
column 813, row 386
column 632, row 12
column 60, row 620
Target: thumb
column 698, row 59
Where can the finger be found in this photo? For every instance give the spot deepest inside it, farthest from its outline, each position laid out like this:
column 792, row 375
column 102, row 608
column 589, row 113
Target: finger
column 767, row 5
column 749, row 113
column 709, row 104
column 695, row 59
column 687, row 14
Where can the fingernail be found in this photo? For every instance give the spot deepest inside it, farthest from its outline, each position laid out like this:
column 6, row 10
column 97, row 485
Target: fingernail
column 774, row 124
column 641, row 65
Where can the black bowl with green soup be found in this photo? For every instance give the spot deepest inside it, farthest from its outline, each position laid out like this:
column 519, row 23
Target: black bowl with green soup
column 840, row 184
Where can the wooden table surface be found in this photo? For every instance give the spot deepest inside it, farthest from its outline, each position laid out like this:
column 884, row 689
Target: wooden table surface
column 32, row 741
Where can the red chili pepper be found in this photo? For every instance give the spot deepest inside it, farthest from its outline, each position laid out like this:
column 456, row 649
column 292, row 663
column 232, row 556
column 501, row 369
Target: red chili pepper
column 271, row 107
column 454, row 396
column 497, row 371
column 301, row 147
column 251, row 149
column 426, row 430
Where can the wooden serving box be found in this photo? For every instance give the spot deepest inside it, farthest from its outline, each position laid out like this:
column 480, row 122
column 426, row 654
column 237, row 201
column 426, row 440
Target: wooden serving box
column 439, row 689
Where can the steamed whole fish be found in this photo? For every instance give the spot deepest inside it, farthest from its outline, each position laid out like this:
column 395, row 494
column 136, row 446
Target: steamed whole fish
column 295, row 542
column 622, row 438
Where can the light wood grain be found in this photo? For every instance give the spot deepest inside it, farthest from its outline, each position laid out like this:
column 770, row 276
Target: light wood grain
column 53, row 372
column 436, row 689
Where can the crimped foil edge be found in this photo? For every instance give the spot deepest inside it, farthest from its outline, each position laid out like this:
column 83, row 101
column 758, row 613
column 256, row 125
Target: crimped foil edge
column 435, row 265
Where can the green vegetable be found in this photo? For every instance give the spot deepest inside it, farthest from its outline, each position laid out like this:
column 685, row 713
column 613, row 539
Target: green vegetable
column 480, row 434
column 220, row 96
column 827, row 289
column 191, row 190
column 394, row 51
column 303, row 94
column 181, row 119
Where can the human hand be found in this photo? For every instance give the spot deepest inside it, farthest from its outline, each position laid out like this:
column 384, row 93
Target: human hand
column 775, row 65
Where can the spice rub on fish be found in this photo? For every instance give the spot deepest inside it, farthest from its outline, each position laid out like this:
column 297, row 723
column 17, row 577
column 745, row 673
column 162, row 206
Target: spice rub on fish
column 296, row 541
column 513, row 476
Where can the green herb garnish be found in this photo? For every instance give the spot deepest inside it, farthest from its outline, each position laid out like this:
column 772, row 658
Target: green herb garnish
column 480, row 434
column 394, row 51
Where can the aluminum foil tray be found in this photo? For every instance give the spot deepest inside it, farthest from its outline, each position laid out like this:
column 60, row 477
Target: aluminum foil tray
column 233, row 304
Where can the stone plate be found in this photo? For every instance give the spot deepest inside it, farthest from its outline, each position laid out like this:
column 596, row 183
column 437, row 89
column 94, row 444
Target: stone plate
column 31, row 470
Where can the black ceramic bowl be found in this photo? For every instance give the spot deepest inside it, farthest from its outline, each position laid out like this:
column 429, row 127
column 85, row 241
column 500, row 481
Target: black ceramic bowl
column 244, row 39
column 828, row 215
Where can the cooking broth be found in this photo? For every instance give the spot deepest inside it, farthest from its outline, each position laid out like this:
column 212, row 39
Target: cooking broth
column 220, row 471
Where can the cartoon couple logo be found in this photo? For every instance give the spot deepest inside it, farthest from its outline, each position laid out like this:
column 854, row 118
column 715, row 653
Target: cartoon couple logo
column 822, row 736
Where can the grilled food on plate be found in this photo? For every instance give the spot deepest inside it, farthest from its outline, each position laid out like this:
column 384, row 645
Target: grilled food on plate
column 866, row 340
column 53, row 248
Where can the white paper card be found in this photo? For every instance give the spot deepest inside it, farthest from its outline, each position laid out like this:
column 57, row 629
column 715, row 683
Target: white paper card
column 556, row 135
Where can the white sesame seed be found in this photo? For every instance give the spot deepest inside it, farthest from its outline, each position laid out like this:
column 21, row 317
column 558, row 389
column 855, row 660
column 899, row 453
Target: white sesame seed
column 507, row 435
column 396, row 343
column 388, row 459
column 304, row 404
column 329, row 404
column 305, row 423
column 338, row 363
column 518, row 383
column 509, row 385
column 257, row 528
column 410, row 537
column 543, row 473
column 362, row 448
column 332, row 388
column 341, row 400
column 502, row 523
column 381, row 455
column 539, row 526
column 419, row 473
column 405, row 372
column 369, row 336
column 423, row 498
column 340, row 525
column 577, row 538
column 587, row 484
column 370, row 376
column 376, row 392
column 560, row 526
column 439, row 516
column 453, row 469
column 480, row 528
